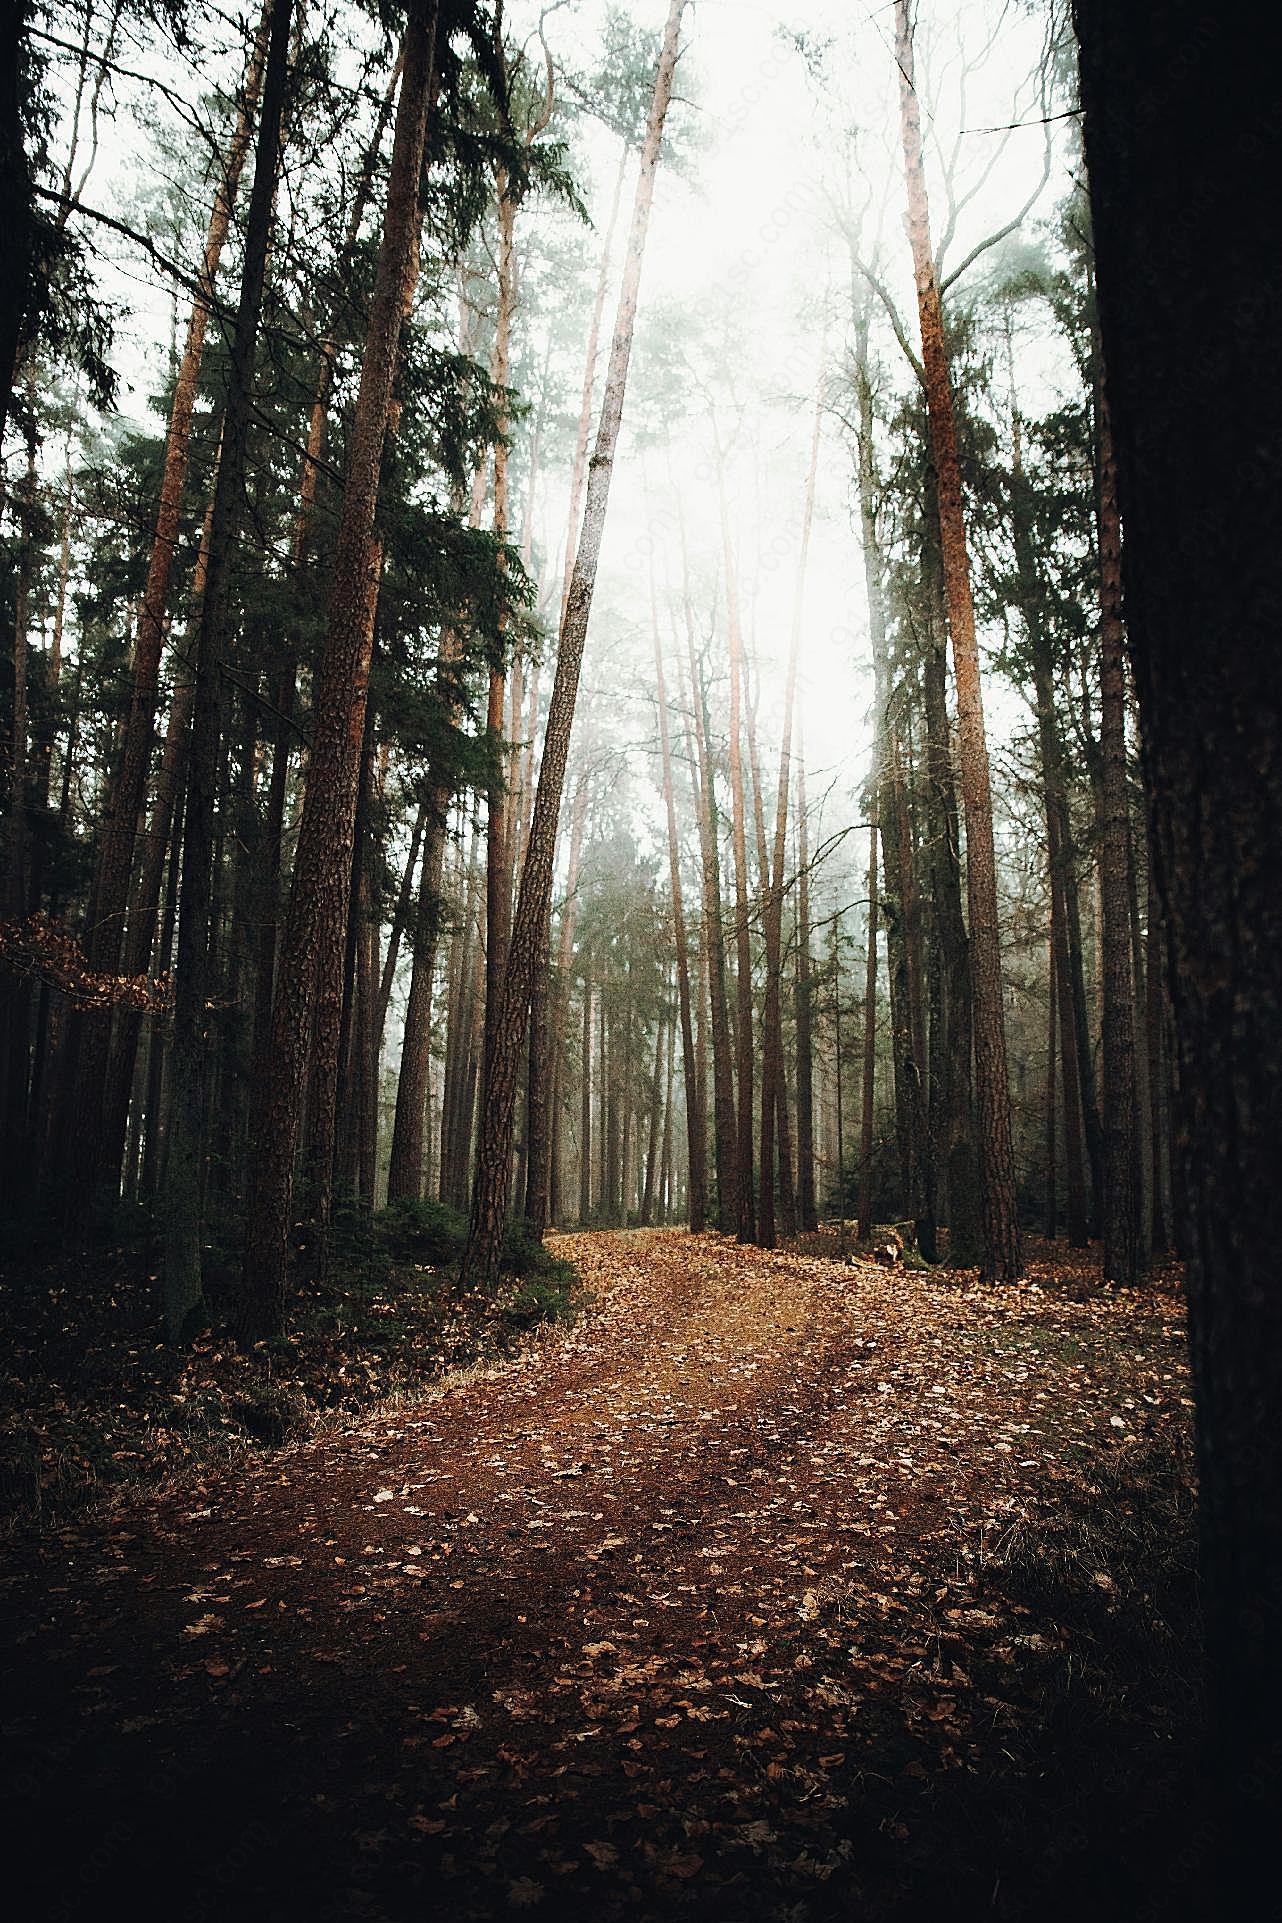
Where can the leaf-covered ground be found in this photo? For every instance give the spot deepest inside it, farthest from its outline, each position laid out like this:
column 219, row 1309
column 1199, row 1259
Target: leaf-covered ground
column 774, row 1588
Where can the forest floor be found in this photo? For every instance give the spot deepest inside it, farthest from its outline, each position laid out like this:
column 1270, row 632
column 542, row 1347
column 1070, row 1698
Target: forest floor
column 772, row 1588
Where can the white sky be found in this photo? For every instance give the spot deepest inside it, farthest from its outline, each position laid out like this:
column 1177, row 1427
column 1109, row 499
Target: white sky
column 750, row 249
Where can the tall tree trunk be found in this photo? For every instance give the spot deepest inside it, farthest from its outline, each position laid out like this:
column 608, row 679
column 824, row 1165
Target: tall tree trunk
column 666, row 1186
column 954, row 1101
column 538, row 1114
column 1188, row 300
column 839, row 1156
column 1051, row 1219
column 405, row 1169
column 184, row 1170
column 772, row 1063
column 1002, row 1256
column 158, row 1049
column 725, row 1126
column 1059, row 849
column 870, row 1047
column 15, row 1014
column 400, row 918
column 585, row 1107
column 490, row 1193
column 499, row 814
column 312, row 946
column 129, row 787
column 1158, row 1076
column 900, row 911
column 456, row 1125
column 745, row 1200
column 646, row 1213
column 1143, row 1104
column 696, row 1137
column 17, row 202
column 559, row 1015
column 583, row 431
column 284, row 680
column 1059, row 858
column 1121, row 1173
column 807, row 1213
column 899, row 905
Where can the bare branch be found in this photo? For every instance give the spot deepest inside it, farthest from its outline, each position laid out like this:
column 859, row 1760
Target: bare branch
column 1017, row 221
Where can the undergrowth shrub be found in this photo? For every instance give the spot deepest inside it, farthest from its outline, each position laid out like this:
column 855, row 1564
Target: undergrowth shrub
column 545, row 1283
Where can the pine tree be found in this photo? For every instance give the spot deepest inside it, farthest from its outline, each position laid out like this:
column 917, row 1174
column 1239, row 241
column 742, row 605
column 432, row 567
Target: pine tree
column 1002, row 1257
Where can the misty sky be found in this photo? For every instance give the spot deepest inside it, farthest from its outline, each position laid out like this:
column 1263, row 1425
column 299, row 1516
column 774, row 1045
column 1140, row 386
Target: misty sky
column 745, row 292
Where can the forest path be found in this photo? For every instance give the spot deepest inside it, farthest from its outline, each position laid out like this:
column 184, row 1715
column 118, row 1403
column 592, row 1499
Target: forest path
column 688, row 1610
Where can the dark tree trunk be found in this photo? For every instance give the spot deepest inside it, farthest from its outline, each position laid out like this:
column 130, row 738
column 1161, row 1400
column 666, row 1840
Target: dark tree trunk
column 898, row 909
column 725, row 1128
column 405, row 1169
column 585, row 1109
column 745, row 1199
column 91, row 1034
column 1189, row 293
column 870, row 1048
column 556, row 1018
column 899, row 905
column 312, row 944
column 184, row 1171
column 1143, row 1105
column 807, row 1214
column 956, row 1101
column 1002, row 1258
column 400, row 919
column 1059, row 852
column 696, row 1139
column 1121, row 1168
column 652, row 1146
column 17, row 202
column 1051, row 1218
column 1158, row 1076
column 538, row 1108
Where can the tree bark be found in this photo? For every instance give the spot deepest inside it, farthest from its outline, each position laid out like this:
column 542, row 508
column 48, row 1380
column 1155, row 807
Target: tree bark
column 745, row 1199
column 189, row 1064
column 646, row 1212
column 870, row 1047
column 1059, row 850
column 405, row 1168
column 807, row 1214
column 773, row 1091
column 1002, row 1257
column 128, row 789
column 17, row 202
column 954, row 1101
column 696, row 1138
column 538, row 1113
column 666, row 1184
column 490, row 1190
column 1158, row 1076
column 1188, row 299
column 1121, row 1171
column 559, row 1013
column 1050, row 1223
column 1142, row 1123
column 312, row 944
column 90, row 1033
column 585, row 1107
column 725, row 1127
column 499, row 798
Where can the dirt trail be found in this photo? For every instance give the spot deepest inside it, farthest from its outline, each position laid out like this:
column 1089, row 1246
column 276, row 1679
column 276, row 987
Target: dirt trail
column 687, row 1611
